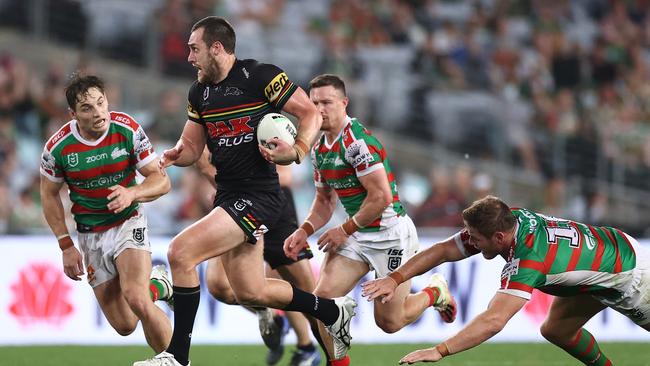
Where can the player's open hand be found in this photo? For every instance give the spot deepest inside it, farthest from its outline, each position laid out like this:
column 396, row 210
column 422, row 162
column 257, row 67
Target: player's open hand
column 294, row 244
column 120, row 198
column 421, row 355
column 381, row 288
column 169, row 156
column 332, row 239
column 72, row 263
column 280, row 152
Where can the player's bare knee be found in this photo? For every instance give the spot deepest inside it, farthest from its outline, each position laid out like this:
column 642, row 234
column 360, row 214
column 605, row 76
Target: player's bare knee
column 178, row 257
column 221, row 292
column 125, row 328
column 249, row 298
column 552, row 333
column 138, row 300
column 388, row 325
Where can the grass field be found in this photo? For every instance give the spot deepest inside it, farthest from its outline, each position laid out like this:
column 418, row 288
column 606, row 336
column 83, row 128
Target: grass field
column 519, row 354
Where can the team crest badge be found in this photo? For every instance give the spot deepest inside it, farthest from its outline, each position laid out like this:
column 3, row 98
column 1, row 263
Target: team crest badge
column 394, row 262
column 73, row 159
column 138, row 234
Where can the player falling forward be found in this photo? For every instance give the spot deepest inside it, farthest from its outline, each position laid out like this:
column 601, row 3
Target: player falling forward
column 351, row 164
column 97, row 154
column 225, row 106
column 588, row 268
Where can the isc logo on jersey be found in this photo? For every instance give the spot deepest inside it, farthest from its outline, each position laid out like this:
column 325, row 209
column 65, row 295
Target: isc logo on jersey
column 273, row 89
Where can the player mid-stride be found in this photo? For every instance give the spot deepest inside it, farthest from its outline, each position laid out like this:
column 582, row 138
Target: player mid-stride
column 97, row 155
column 351, row 166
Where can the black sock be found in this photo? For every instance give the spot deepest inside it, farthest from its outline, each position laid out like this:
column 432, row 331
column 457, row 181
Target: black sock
column 316, row 334
column 320, row 308
column 186, row 304
column 308, row 348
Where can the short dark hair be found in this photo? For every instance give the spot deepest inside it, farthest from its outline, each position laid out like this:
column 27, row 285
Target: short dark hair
column 489, row 215
column 327, row 80
column 217, row 29
column 78, row 86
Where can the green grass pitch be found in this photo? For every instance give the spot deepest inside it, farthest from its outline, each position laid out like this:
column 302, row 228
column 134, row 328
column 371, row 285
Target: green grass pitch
column 491, row 354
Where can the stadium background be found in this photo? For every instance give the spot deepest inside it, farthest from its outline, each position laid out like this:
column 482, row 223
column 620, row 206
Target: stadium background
column 544, row 103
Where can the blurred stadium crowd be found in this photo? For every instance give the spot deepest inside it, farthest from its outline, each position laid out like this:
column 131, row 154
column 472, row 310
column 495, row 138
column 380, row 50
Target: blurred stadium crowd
column 545, row 103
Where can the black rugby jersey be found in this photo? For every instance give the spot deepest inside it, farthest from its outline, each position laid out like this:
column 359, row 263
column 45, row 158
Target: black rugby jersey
column 230, row 112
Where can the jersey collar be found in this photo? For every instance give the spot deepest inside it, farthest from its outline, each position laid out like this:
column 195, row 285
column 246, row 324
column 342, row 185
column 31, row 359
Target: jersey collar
column 329, row 145
column 511, row 250
column 75, row 132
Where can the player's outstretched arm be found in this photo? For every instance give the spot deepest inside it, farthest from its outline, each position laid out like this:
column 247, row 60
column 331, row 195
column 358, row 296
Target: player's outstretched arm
column 55, row 217
column 320, row 213
column 187, row 150
column 501, row 309
column 384, row 288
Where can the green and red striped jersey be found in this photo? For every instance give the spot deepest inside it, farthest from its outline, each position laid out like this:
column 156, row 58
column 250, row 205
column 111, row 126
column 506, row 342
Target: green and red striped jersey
column 563, row 257
column 91, row 167
column 354, row 153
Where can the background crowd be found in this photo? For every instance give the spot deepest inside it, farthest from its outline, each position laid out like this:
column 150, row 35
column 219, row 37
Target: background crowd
column 544, row 103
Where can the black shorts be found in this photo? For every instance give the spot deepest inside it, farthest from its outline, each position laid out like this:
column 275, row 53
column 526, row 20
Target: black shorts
column 271, row 214
column 274, row 238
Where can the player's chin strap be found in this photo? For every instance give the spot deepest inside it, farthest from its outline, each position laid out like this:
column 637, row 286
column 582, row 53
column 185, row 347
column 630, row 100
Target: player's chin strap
column 301, row 149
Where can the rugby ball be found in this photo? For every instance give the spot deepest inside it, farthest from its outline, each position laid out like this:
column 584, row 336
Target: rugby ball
column 275, row 125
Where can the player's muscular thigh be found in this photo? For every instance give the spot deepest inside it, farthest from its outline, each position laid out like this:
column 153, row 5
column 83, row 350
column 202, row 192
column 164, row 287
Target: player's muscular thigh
column 245, row 270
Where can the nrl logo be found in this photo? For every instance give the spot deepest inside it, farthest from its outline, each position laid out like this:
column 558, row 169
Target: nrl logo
column 73, row 159
column 138, row 234
column 206, row 93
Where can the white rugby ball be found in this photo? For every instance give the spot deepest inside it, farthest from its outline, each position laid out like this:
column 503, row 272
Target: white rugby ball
column 275, row 125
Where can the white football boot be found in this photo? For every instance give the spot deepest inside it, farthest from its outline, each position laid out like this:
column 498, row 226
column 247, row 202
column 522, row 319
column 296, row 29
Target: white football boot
column 340, row 330
column 159, row 273
column 162, row 359
column 445, row 304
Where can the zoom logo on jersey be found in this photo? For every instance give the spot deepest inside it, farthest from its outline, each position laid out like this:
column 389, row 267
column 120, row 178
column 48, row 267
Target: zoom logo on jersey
column 95, row 158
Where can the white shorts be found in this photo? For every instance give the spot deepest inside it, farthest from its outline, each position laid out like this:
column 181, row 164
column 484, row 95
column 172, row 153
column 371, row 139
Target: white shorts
column 385, row 250
column 101, row 249
column 635, row 302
